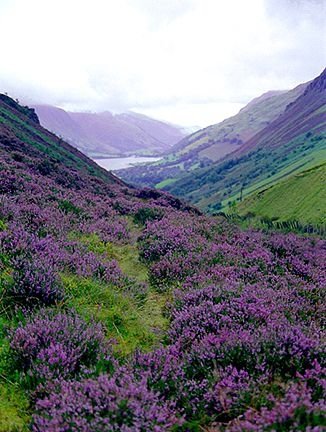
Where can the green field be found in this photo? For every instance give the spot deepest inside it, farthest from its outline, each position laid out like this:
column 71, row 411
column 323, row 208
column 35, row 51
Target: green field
column 301, row 197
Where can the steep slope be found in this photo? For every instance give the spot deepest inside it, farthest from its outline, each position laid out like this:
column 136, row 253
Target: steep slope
column 300, row 197
column 26, row 147
column 305, row 113
column 22, row 137
column 100, row 134
column 295, row 141
column 213, row 143
column 218, row 140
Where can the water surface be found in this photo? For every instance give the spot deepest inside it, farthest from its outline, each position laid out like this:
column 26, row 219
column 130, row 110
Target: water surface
column 111, row 164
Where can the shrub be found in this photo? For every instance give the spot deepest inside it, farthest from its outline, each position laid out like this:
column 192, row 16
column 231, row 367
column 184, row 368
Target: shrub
column 295, row 411
column 105, row 404
column 145, row 214
column 58, row 345
column 34, row 283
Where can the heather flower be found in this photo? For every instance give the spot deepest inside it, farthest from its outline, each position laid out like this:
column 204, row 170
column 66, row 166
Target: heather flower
column 54, row 345
column 34, row 283
column 104, row 404
column 295, row 411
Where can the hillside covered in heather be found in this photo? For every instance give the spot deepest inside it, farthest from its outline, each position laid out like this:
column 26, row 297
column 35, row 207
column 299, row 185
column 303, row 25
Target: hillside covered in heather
column 125, row 309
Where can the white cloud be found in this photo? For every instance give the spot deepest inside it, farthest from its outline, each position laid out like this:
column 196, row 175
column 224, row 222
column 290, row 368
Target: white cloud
column 184, row 60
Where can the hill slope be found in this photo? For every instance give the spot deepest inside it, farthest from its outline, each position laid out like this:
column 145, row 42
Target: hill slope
column 22, row 135
column 125, row 310
column 295, row 141
column 215, row 142
column 99, row 134
column 300, row 197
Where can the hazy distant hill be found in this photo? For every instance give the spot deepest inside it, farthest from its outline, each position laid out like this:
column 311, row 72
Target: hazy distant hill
column 211, row 144
column 99, row 134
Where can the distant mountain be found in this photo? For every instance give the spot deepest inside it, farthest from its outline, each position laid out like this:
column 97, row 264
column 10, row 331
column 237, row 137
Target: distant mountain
column 166, row 133
column 214, row 142
column 293, row 142
column 211, row 144
column 101, row 134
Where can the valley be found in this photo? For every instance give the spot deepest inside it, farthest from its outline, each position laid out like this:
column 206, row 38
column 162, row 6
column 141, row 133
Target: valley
column 292, row 142
column 126, row 308
column 157, row 276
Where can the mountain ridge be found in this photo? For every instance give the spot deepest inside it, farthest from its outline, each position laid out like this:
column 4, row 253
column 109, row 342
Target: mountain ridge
column 209, row 145
column 104, row 133
column 293, row 141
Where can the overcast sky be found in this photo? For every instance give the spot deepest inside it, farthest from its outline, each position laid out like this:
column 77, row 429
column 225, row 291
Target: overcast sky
column 192, row 62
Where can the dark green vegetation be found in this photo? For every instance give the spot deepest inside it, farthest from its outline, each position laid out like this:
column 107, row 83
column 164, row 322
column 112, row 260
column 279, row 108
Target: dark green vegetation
column 291, row 142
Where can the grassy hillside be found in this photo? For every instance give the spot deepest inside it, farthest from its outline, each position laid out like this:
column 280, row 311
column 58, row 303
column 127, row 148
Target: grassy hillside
column 219, row 186
column 293, row 142
column 208, row 145
column 300, row 197
column 216, row 141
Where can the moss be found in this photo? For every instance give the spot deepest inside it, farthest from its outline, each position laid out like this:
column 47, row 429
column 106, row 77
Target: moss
column 14, row 414
column 133, row 325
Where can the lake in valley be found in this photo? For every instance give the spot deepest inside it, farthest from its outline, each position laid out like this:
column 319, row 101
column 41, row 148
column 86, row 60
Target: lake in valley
column 112, row 164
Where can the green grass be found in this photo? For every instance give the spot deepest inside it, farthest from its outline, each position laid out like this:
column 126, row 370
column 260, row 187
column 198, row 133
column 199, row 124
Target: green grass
column 14, row 415
column 14, row 405
column 222, row 183
column 298, row 165
column 301, row 197
column 126, row 254
column 165, row 183
column 128, row 259
column 93, row 242
column 133, row 324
